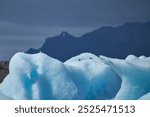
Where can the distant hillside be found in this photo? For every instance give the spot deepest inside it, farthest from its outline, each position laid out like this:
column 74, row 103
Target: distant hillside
column 130, row 38
column 3, row 70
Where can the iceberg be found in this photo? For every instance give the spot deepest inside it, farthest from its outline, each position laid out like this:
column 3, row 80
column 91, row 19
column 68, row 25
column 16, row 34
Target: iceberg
column 94, row 79
column 135, row 75
column 37, row 76
column 86, row 76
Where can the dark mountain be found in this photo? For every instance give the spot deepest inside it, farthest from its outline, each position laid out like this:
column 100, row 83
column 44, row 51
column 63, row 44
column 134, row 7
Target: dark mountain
column 130, row 38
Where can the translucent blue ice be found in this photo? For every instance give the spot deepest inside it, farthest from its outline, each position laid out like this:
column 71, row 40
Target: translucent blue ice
column 135, row 75
column 86, row 76
column 94, row 79
column 37, row 76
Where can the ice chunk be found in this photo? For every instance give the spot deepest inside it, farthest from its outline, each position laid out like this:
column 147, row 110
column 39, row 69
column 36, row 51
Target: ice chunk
column 94, row 79
column 145, row 97
column 37, row 76
column 142, row 57
column 85, row 76
column 131, row 57
column 4, row 97
column 135, row 74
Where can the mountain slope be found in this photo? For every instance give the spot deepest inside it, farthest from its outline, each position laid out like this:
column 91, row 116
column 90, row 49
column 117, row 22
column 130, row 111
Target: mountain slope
column 3, row 69
column 130, row 38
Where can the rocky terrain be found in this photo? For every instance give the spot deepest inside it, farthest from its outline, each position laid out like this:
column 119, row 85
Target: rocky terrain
column 3, row 69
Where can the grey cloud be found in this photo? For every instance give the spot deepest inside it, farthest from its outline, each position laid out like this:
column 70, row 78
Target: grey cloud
column 26, row 23
column 80, row 13
column 11, row 29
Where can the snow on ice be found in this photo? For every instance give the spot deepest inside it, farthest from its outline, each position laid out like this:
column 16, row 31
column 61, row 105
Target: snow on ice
column 94, row 79
column 86, row 76
column 135, row 75
column 37, row 76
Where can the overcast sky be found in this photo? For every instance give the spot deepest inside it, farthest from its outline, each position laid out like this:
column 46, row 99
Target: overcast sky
column 26, row 23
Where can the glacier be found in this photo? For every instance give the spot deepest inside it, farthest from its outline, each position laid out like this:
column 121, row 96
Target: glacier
column 83, row 77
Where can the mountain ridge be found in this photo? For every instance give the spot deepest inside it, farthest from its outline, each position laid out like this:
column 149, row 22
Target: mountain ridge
column 119, row 41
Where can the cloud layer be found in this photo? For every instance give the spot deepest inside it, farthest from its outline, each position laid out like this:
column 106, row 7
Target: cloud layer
column 23, row 20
